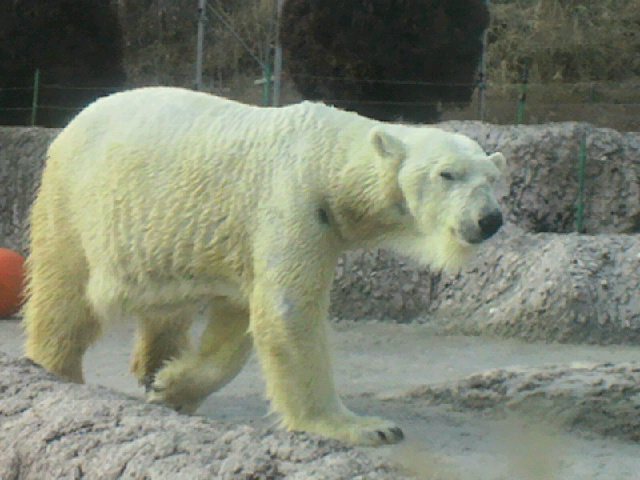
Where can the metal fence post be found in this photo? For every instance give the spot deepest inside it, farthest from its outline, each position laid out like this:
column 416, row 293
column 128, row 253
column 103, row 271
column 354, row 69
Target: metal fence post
column 202, row 17
column 581, row 181
column 277, row 59
column 266, row 100
column 482, row 74
column 34, row 103
column 523, row 96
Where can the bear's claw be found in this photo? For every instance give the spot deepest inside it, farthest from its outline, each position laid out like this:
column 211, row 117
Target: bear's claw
column 367, row 431
column 397, row 435
column 147, row 383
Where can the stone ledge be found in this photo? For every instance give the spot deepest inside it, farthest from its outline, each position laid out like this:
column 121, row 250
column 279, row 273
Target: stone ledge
column 56, row 430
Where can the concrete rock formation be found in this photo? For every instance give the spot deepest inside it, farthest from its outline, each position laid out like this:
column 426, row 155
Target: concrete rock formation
column 544, row 164
column 56, row 430
column 591, row 398
column 548, row 287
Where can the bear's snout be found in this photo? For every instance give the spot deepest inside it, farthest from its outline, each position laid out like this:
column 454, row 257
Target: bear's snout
column 475, row 232
column 490, row 224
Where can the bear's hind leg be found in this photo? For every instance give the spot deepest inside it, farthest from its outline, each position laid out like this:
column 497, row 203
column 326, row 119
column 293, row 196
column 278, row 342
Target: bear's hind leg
column 59, row 322
column 159, row 340
column 184, row 383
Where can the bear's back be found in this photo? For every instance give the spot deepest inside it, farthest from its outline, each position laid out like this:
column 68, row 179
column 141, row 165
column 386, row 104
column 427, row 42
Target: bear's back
column 183, row 122
column 147, row 169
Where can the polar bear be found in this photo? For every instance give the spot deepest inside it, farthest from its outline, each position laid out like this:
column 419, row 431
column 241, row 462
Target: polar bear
column 157, row 201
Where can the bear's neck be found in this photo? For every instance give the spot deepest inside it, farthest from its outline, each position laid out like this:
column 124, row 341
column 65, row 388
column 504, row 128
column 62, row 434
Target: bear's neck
column 366, row 204
column 363, row 200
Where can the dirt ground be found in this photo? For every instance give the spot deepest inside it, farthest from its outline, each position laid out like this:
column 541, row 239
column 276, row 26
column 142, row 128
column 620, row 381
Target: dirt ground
column 379, row 365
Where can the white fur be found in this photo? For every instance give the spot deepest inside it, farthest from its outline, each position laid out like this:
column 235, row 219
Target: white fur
column 157, row 200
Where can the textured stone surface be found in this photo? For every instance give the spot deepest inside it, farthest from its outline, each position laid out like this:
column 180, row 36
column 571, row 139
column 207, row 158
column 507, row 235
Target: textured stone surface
column 567, row 288
column 22, row 154
column 594, row 398
column 55, row 430
column 542, row 190
column 550, row 287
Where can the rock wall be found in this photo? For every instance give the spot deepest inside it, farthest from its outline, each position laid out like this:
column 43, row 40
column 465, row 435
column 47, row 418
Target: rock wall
column 565, row 288
column 544, row 164
column 549, row 287
column 22, row 155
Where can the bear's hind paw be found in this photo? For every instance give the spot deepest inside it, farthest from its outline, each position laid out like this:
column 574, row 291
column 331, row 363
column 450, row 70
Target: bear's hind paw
column 170, row 395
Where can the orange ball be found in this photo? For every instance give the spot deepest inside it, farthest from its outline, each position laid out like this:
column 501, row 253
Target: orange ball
column 11, row 282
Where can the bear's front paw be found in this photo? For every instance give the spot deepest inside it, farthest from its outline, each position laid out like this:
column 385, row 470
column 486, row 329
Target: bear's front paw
column 371, row 431
column 382, row 433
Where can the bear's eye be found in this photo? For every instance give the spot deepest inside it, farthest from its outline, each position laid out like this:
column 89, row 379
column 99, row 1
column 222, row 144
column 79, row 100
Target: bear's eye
column 446, row 175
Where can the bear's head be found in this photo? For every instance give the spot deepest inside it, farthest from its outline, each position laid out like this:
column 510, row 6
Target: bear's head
column 447, row 185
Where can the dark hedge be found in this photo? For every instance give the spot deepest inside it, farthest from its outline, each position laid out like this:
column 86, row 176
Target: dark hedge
column 387, row 59
column 74, row 43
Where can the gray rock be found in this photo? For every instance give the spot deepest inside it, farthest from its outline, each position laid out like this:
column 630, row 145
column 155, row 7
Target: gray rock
column 592, row 398
column 539, row 196
column 22, row 156
column 543, row 169
column 548, row 287
column 52, row 430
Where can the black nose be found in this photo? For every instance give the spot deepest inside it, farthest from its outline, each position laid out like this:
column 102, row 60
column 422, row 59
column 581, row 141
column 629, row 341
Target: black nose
column 490, row 224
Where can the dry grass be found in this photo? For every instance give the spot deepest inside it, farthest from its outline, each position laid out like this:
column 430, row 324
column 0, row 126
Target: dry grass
column 160, row 41
column 564, row 40
column 561, row 40
column 583, row 56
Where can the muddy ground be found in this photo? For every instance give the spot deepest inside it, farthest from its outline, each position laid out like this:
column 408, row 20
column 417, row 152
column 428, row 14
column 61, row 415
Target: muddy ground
column 536, row 411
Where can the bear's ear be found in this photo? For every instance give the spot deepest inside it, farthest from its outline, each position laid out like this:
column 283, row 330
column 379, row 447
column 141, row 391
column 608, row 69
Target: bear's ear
column 387, row 145
column 499, row 161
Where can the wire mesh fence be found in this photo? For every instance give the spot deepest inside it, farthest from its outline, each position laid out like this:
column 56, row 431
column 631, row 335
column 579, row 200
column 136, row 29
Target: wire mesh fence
column 605, row 104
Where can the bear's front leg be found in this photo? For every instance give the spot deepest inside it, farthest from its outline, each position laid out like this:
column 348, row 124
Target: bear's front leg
column 289, row 330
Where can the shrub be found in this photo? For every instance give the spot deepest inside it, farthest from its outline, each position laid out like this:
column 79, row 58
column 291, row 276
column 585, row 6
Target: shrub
column 75, row 43
column 387, row 59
